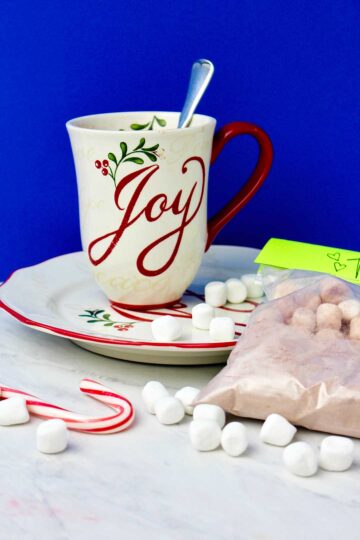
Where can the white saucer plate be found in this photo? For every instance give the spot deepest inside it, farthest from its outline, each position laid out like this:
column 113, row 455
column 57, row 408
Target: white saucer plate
column 60, row 297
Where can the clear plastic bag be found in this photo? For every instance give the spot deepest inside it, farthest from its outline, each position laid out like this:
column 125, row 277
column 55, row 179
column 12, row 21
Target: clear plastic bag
column 299, row 356
column 278, row 282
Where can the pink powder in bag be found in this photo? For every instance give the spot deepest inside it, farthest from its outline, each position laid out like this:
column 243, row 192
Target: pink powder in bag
column 296, row 363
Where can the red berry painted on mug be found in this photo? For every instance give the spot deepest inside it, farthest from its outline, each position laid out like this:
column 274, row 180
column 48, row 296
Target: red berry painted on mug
column 97, row 164
column 105, row 172
column 105, row 163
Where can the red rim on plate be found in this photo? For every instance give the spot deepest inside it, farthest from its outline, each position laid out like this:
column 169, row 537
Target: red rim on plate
column 85, row 337
column 19, row 315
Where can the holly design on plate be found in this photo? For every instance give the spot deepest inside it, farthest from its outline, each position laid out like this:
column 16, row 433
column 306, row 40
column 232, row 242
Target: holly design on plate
column 138, row 155
column 99, row 316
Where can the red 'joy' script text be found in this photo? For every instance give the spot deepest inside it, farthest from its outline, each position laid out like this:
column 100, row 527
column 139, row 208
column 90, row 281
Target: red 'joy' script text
column 152, row 210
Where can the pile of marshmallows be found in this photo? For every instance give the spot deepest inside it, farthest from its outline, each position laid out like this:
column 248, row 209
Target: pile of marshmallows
column 217, row 293
column 51, row 435
column 207, row 432
column 332, row 312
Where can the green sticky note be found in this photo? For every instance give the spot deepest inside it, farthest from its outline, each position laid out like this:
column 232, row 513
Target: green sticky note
column 287, row 254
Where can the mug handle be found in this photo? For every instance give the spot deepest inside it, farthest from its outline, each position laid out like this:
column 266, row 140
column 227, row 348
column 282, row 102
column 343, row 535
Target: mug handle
column 260, row 172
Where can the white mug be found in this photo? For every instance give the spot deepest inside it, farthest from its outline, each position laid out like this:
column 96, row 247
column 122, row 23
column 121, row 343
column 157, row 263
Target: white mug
column 142, row 187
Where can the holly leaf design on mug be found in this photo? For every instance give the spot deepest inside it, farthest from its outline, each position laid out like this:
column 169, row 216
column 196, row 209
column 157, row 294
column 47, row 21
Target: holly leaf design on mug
column 138, row 156
column 152, row 157
column 152, row 148
column 160, row 121
column 123, row 148
column 149, row 125
column 138, row 127
column 136, row 160
column 141, row 144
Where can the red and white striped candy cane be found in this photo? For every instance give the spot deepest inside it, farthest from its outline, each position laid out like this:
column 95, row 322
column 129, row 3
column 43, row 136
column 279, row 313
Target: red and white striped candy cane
column 119, row 421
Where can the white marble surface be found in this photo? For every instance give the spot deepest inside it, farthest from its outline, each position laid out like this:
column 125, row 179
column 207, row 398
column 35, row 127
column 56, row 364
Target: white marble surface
column 148, row 483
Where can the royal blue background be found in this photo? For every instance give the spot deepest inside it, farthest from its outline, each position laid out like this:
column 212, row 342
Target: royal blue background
column 292, row 67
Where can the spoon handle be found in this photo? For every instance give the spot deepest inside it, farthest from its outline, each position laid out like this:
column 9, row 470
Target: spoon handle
column 201, row 73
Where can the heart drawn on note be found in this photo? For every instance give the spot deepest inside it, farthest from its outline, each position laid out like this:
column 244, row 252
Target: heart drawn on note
column 334, row 256
column 338, row 266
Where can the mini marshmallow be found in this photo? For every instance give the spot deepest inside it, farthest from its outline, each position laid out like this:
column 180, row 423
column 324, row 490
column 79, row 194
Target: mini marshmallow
column 52, row 436
column 333, row 290
column 151, row 393
column 205, row 435
column 305, row 318
column 329, row 334
column 328, row 316
column 13, row 411
column 287, row 305
column 300, row 459
column 202, row 314
column 313, row 302
column 309, row 299
column 206, row 411
column 284, row 288
column 349, row 309
column 169, row 410
column 234, row 439
column 354, row 332
column 236, row 291
column 166, row 328
column 222, row 329
column 187, row 396
column 277, row 430
column 336, row 453
column 254, row 285
column 215, row 293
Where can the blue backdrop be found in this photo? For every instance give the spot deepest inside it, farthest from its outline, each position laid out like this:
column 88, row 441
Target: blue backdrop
column 291, row 67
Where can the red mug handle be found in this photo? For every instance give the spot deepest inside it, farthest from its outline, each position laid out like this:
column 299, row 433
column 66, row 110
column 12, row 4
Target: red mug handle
column 260, row 172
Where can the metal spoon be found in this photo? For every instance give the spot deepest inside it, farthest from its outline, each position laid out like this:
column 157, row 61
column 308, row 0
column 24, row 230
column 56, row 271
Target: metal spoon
column 201, row 73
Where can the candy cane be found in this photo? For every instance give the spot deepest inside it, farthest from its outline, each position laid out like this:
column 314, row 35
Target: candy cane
column 119, row 421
